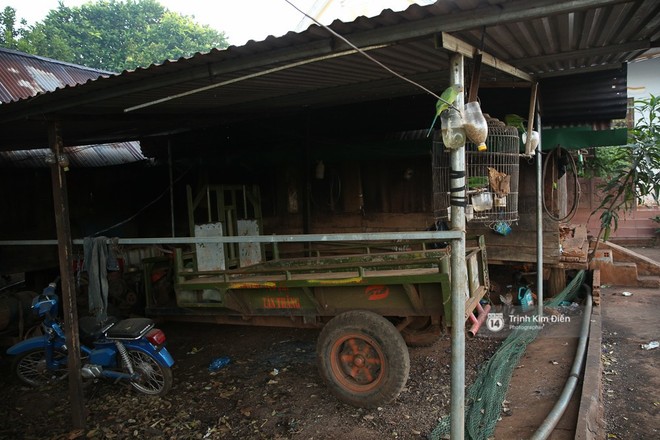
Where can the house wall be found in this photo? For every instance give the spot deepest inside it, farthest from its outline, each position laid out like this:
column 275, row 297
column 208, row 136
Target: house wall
column 643, row 78
column 379, row 195
column 98, row 198
column 634, row 226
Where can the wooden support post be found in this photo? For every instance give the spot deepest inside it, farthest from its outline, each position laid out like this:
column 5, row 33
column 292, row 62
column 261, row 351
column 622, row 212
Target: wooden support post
column 476, row 76
column 557, row 281
column 65, row 248
column 530, row 119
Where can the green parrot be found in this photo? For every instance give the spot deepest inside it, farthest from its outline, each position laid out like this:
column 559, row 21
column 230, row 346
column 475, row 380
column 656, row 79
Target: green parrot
column 446, row 100
column 516, row 121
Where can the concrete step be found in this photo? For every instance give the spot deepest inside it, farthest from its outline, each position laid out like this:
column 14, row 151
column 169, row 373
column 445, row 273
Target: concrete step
column 648, row 281
column 618, row 274
column 645, row 265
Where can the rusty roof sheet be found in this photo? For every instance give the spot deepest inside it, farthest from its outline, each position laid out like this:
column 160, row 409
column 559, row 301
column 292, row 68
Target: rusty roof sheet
column 313, row 69
column 24, row 76
column 84, row 156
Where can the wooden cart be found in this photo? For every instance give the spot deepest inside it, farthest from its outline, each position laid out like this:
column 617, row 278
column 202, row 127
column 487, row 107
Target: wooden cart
column 370, row 303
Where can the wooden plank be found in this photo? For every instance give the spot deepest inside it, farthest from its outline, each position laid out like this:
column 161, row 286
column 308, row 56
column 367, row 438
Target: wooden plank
column 453, row 44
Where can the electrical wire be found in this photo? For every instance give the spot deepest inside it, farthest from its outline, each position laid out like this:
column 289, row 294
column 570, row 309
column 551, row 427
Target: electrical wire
column 369, row 57
column 577, row 189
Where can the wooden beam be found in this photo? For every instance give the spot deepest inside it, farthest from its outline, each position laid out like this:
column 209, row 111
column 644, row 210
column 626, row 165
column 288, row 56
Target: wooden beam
column 476, row 77
column 453, row 44
column 65, row 252
column 530, row 119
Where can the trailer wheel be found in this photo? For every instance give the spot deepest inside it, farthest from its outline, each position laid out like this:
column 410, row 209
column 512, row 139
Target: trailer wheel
column 363, row 359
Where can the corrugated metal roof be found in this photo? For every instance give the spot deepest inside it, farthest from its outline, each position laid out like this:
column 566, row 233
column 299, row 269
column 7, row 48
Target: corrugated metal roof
column 24, row 76
column 312, row 69
column 87, row 156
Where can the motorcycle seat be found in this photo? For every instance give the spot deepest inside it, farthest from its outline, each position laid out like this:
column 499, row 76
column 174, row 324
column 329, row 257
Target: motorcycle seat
column 131, row 328
column 91, row 328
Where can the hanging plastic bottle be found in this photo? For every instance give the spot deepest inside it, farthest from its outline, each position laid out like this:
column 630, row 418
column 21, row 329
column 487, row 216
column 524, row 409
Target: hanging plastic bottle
column 475, row 125
column 453, row 133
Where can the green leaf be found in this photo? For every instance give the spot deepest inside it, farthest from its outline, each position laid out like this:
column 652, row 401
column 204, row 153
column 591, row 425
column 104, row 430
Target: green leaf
column 115, row 35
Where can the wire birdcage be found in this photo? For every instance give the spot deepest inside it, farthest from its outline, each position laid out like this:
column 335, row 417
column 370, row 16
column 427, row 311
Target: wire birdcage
column 488, row 202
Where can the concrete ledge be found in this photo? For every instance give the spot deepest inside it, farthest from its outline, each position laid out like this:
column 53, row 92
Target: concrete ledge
column 645, row 265
column 590, row 425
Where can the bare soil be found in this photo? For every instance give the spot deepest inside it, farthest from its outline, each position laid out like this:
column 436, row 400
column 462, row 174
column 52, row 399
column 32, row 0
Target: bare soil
column 631, row 378
column 271, row 389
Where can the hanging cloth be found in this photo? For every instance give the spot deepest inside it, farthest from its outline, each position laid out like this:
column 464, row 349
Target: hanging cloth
column 99, row 258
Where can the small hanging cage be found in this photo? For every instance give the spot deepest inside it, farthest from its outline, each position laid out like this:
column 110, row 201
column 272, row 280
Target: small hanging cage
column 491, row 177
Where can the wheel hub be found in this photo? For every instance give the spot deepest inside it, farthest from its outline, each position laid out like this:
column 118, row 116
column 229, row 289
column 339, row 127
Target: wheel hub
column 360, row 362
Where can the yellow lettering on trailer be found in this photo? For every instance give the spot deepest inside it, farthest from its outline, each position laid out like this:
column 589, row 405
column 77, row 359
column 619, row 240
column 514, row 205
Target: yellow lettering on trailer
column 281, row 302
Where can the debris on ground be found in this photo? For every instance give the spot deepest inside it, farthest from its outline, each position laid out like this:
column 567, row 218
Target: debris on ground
column 651, row 345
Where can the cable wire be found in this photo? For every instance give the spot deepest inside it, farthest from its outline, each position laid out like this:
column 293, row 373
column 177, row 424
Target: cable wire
column 369, row 57
column 577, row 189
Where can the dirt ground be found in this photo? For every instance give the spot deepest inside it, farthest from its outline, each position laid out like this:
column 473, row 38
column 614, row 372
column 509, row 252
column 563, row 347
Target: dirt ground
column 538, row 381
column 631, row 382
column 271, row 389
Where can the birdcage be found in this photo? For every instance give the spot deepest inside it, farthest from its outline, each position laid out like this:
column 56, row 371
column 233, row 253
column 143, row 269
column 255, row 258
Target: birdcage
column 491, row 178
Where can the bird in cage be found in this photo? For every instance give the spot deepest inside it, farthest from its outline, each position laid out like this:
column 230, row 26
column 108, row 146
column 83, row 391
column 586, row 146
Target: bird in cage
column 446, row 100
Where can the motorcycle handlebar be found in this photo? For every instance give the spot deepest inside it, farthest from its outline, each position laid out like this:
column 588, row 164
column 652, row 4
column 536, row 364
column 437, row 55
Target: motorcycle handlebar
column 51, row 286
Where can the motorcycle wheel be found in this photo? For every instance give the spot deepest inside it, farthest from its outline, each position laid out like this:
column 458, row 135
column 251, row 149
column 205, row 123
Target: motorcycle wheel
column 30, row 367
column 155, row 379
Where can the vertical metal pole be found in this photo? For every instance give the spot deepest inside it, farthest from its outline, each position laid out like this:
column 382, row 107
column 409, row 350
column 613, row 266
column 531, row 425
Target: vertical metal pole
column 65, row 248
column 169, row 158
column 458, row 269
column 539, row 218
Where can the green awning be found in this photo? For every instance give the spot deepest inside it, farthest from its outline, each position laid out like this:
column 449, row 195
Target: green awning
column 575, row 138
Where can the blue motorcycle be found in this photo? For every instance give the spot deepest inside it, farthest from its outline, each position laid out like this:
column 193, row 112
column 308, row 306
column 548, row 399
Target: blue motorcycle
column 130, row 349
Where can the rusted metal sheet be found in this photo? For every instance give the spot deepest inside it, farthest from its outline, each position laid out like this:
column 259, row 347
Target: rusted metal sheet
column 23, row 75
column 538, row 37
column 87, row 156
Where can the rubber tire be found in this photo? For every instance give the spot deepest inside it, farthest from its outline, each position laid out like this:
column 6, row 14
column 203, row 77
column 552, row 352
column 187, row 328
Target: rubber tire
column 387, row 357
column 37, row 357
column 157, row 378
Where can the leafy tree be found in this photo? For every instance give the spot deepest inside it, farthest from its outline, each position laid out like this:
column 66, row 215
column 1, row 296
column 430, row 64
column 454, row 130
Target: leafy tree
column 9, row 33
column 633, row 171
column 118, row 35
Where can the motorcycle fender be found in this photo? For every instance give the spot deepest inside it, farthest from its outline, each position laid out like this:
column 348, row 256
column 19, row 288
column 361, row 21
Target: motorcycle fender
column 161, row 354
column 31, row 344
